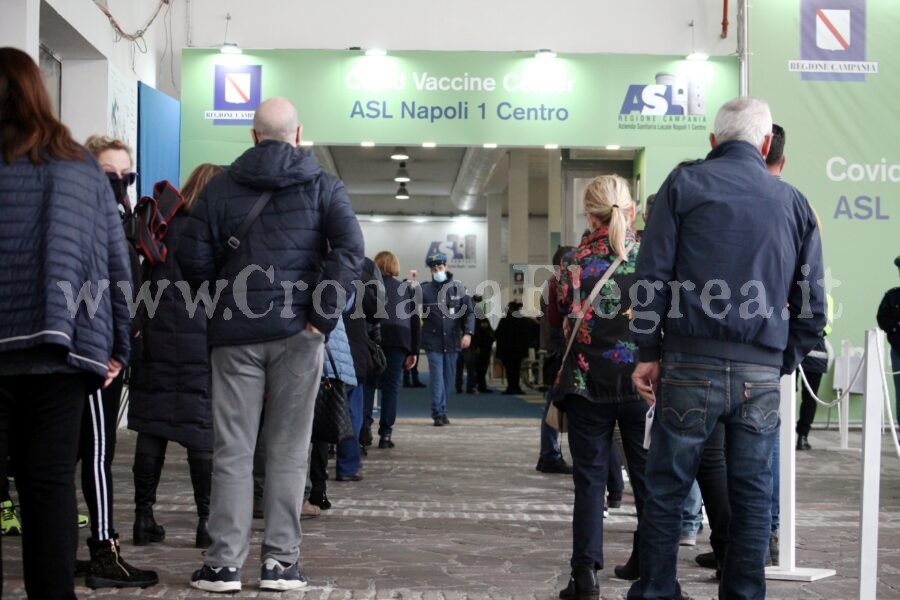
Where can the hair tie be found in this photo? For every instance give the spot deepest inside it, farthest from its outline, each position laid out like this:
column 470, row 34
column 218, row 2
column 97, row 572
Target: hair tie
column 615, row 206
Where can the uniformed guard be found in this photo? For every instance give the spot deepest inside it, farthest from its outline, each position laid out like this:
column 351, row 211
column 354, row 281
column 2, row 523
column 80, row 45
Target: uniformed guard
column 449, row 321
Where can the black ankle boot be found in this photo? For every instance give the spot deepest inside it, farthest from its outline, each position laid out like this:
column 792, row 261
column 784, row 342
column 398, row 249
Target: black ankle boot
column 146, row 472
column 201, row 480
column 631, row 570
column 582, row 585
column 109, row 569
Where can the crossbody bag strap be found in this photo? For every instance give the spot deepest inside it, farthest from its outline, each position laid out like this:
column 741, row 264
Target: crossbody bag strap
column 594, row 293
column 234, row 241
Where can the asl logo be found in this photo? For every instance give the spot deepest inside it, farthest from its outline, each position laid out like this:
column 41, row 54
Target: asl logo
column 670, row 95
column 460, row 250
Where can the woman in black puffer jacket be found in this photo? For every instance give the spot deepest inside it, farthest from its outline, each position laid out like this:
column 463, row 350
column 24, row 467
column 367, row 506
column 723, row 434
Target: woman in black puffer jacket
column 170, row 387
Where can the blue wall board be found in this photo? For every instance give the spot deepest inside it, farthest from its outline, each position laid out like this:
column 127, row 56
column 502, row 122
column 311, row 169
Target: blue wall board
column 159, row 127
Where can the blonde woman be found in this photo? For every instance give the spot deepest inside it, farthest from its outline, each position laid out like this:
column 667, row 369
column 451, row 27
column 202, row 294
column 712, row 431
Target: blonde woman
column 599, row 392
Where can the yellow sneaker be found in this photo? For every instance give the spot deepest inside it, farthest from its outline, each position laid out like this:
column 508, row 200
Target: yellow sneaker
column 9, row 519
column 83, row 521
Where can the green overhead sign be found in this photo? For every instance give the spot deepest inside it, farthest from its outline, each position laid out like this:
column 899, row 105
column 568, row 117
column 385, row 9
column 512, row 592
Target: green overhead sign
column 456, row 98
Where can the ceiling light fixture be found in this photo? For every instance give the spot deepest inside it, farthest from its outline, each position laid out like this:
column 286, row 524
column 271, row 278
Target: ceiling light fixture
column 551, row 146
column 694, row 55
column 613, row 147
column 307, row 143
column 376, row 52
column 545, row 53
column 490, row 145
column 429, row 145
column 367, row 144
column 228, row 47
column 399, row 153
column 402, row 175
column 402, row 192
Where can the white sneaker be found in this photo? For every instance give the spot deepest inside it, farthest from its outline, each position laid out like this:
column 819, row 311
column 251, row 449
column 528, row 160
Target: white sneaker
column 688, row 539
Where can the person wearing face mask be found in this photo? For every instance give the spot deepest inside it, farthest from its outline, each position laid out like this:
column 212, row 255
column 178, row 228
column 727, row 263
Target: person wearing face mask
column 98, row 428
column 449, row 321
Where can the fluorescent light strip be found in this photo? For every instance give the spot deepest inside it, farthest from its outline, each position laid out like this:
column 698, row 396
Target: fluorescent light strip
column 429, row 145
column 367, row 144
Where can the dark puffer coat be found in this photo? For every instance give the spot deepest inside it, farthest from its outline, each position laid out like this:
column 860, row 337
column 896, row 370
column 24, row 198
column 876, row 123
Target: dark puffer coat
column 60, row 230
column 170, row 385
column 307, row 233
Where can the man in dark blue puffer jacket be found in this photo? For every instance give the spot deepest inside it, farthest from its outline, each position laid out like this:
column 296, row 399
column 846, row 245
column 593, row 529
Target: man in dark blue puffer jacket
column 732, row 298
column 287, row 283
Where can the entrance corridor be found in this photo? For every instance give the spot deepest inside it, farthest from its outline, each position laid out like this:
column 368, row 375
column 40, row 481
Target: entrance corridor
column 460, row 512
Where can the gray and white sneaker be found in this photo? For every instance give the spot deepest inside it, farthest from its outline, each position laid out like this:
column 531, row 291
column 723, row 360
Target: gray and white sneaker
column 217, row 579
column 275, row 577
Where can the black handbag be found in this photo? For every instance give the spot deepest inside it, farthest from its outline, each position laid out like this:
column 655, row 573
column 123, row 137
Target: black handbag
column 564, row 382
column 331, row 423
column 378, row 360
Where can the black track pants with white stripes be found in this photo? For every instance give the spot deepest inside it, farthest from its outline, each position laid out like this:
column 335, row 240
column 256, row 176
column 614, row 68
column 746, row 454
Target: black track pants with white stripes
column 96, row 451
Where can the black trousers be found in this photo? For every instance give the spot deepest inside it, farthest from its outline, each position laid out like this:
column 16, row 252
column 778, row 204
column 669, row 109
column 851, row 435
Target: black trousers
column 482, row 363
column 513, row 367
column 808, row 404
column 43, row 446
column 155, row 446
column 96, row 451
column 466, row 362
column 318, row 466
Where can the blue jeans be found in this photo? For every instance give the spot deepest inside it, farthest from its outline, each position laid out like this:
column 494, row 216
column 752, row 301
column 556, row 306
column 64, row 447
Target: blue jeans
column 590, row 440
column 776, row 484
column 441, row 375
column 691, row 517
column 390, row 382
column 695, row 393
column 348, row 461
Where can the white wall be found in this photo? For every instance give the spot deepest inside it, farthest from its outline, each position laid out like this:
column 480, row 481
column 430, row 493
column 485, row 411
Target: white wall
column 636, row 26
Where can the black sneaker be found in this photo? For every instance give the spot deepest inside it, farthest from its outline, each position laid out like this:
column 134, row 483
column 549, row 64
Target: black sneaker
column 365, row 437
column 320, row 499
column 276, row 577
column 385, row 443
column 445, row 420
column 438, row 422
column 557, row 466
column 217, row 579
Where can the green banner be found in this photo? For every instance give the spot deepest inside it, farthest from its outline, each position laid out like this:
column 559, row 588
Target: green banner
column 660, row 103
column 829, row 69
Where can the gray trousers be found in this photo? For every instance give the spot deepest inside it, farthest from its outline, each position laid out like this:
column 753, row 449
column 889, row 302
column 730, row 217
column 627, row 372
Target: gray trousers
column 289, row 370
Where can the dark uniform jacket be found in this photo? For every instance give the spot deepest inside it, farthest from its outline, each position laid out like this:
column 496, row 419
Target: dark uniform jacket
column 448, row 314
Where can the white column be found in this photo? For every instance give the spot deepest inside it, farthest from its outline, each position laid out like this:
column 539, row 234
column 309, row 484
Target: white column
column 554, row 199
column 20, row 25
column 518, row 208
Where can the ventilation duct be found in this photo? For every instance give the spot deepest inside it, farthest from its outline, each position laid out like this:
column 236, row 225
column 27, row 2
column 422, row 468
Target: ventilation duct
column 474, row 172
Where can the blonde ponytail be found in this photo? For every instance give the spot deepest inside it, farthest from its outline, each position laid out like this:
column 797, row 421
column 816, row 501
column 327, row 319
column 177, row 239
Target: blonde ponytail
column 608, row 199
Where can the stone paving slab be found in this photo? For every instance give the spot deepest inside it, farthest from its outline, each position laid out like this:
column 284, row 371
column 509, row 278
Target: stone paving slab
column 460, row 513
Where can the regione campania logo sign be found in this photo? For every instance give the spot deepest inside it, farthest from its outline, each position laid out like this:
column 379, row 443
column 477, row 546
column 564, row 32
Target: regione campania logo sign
column 833, row 41
column 237, row 90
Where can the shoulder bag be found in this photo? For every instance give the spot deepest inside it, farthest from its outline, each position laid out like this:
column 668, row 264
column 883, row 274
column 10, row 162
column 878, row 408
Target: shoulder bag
column 331, row 422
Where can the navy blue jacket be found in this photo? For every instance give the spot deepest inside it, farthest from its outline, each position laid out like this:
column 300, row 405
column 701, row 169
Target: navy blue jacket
column 305, row 235
column 448, row 314
column 398, row 330
column 726, row 221
column 170, row 380
column 59, row 230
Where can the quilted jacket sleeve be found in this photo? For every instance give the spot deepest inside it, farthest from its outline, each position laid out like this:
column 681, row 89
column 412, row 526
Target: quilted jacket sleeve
column 120, row 275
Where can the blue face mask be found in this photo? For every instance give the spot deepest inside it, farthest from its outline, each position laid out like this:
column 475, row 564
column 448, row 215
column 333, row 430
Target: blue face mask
column 439, row 277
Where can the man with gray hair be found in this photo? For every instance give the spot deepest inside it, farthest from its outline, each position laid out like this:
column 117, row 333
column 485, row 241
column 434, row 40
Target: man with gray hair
column 284, row 237
column 730, row 271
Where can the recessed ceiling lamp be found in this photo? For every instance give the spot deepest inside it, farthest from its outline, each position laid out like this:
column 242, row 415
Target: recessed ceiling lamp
column 367, row 144
column 489, row 145
column 399, row 153
column 545, row 53
column 376, row 52
column 613, row 147
column 551, row 146
column 402, row 192
column 307, row 143
column 402, row 175
column 429, row 145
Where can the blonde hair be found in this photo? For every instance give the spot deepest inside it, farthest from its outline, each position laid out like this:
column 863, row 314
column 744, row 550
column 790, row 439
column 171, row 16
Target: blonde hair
column 97, row 144
column 608, row 199
column 387, row 263
column 196, row 181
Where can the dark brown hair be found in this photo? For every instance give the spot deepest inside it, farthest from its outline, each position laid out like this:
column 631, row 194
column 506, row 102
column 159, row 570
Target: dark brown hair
column 196, row 181
column 27, row 124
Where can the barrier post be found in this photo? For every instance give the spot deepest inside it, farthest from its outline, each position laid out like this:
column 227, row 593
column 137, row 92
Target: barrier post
column 786, row 570
column 844, row 410
column 871, row 471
